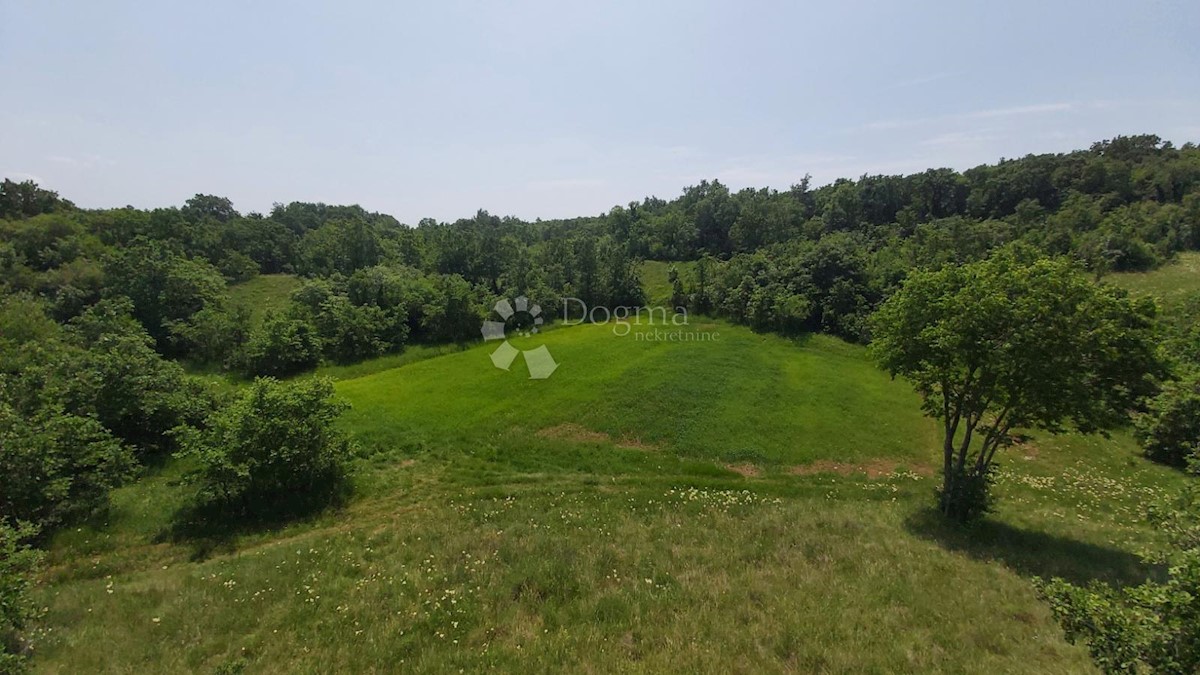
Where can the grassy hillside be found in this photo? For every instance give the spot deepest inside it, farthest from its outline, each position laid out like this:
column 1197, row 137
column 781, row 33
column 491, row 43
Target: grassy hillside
column 1172, row 283
column 264, row 292
column 654, row 276
column 747, row 504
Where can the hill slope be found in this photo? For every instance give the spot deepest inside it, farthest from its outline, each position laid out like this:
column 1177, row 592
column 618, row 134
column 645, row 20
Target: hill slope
column 749, row 503
column 741, row 396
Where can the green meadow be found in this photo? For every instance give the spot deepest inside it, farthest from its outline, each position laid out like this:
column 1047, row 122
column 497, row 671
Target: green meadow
column 655, row 276
column 263, row 292
column 1172, row 283
column 746, row 503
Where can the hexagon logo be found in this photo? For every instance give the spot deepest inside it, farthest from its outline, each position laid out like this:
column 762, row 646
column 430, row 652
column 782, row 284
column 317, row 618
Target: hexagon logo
column 539, row 361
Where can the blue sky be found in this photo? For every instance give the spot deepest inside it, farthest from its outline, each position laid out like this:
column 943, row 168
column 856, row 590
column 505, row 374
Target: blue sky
column 551, row 109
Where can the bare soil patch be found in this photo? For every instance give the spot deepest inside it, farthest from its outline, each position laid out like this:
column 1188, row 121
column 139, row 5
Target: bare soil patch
column 577, row 433
column 632, row 443
column 747, row 470
column 874, row 469
column 573, row 432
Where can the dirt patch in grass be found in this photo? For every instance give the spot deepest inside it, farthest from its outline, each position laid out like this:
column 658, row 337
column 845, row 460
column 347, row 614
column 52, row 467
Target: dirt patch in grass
column 747, row 470
column 573, row 432
column 1027, row 448
column 631, row 443
column 874, row 469
column 577, row 433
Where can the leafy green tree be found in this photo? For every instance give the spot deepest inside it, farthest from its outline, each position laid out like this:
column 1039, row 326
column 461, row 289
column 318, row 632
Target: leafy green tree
column 1011, row 343
column 47, row 241
column 843, row 209
column 55, row 466
column 26, row 199
column 1170, row 429
column 268, row 243
column 836, row 282
column 276, row 447
column 678, row 296
column 763, row 292
column 282, row 345
column 215, row 334
column 456, row 311
column 701, row 299
column 341, row 246
column 352, row 333
column 100, row 366
column 17, row 564
column 114, row 375
column 209, row 206
column 401, row 292
column 23, row 319
column 237, row 266
column 165, row 286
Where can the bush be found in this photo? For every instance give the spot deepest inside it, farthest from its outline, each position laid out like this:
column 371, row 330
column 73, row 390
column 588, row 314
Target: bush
column 166, row 287
column 55, row 466
column 237, row 266
column 456, row 312
column 212, row 335
column 350, row 333
column 1170, row 430
column 17, row 563
column 273, row 451
column 116, row 376
column 282, row 346
column 968, row 496
column 1152, row 627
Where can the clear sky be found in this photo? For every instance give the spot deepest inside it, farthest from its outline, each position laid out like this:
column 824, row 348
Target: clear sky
column 557, row 108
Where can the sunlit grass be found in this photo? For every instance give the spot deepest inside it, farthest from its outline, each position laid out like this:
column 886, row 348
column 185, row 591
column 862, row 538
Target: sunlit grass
column 656, row 280
column 592, row 522
column 264, row 292
column 1171, row 283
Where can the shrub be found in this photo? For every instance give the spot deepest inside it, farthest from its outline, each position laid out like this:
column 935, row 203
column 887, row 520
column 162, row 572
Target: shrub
column 350, row 333
column 282, row 346
column 55, row 466
column 1170, row 430
column 237, row 266
column 1152, row 627
column 116, row 376
column 212, row 335
column 17, row 562
column 968, row 496
column 274, row 450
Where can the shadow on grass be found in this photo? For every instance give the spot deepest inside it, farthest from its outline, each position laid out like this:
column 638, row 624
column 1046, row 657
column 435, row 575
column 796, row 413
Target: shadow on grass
column 213, row 526
column 1033, row 554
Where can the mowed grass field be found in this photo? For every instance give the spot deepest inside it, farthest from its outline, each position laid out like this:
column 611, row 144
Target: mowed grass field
column 743, row 504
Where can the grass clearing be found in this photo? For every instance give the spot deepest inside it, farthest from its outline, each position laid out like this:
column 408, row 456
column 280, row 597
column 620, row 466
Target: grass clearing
column 1172, row 283
column 264, row 292
column 592, row 522
column 655, row 279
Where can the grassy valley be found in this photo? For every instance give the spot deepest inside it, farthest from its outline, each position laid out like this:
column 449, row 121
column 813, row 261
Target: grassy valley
column 751, row 504
column 275, row 442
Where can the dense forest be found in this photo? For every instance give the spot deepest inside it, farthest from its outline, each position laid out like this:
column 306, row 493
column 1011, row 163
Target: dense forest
column 801, row 259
